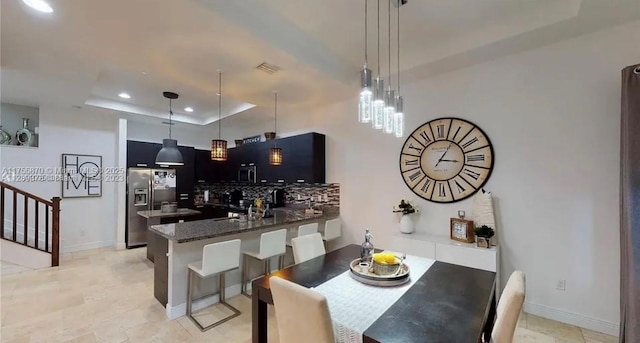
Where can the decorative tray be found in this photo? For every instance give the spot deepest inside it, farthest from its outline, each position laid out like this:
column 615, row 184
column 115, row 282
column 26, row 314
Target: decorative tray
column 366, row 275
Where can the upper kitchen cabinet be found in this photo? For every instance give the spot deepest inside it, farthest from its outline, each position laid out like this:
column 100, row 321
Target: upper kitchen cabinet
column 142, row 154
column 306, row 160
column 205, row 170
column 303, row 159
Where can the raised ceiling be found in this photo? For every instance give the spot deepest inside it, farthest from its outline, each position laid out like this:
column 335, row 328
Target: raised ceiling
column 87, row 52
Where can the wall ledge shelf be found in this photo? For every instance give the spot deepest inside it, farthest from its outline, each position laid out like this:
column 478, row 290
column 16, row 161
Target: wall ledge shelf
column 444, row 249
column 426, row 237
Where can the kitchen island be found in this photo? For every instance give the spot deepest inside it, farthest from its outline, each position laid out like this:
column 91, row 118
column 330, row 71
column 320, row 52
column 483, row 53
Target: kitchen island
column 155, row 217
column 178, row 244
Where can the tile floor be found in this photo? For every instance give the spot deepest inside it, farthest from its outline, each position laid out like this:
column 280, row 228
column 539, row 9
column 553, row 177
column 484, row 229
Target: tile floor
column 105, row 295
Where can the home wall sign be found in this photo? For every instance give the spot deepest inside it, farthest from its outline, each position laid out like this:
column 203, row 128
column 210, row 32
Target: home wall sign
column 81, row 176
column 446, row 160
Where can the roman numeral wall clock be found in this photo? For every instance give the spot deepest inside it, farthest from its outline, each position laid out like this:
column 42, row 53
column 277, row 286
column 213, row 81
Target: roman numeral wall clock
column 446, row 160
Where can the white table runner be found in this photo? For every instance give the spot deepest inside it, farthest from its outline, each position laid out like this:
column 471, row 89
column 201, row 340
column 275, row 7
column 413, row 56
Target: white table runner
column 354, row 306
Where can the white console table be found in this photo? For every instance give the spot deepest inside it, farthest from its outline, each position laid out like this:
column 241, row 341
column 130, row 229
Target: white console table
column 442, row 248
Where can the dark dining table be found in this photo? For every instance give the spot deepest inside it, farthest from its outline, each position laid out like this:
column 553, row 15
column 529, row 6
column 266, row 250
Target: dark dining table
column 449, row 303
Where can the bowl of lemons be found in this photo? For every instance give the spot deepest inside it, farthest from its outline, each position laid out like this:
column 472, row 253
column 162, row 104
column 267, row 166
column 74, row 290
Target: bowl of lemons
column 385, row 263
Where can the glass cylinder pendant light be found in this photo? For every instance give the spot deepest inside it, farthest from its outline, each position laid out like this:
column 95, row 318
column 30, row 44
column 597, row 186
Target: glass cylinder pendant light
column 366, row 93
column 377, row 121
column 398, row 117
column 398, row 126
column 275, row 153
column 389, row 111
column 219, row 146
column 390, row 94
column 169, row 155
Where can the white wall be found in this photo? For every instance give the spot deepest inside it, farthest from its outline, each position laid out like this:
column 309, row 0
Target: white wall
column 85, row 223
column 553, row 117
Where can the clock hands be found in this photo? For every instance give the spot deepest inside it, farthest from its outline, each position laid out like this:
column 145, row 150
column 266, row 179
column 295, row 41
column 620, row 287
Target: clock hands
column 455, row 161
column 445, row 152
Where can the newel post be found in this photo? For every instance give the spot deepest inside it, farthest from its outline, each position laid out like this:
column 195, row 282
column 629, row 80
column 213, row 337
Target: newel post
column 55, row 232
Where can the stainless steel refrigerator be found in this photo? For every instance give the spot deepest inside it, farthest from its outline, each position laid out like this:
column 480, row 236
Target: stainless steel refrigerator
column 146, row 190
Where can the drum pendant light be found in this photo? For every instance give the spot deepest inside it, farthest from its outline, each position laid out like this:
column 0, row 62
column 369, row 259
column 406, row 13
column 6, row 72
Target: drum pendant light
column 219, row 146
column 275, row 153
column 169, row 155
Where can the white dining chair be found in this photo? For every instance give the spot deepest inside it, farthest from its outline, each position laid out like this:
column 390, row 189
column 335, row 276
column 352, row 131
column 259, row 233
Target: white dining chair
column 307, row 247
column 300, row 312
column 217, row 259
column 305, row 229
column 272, row 244
column 332, row 230
column 509, row 308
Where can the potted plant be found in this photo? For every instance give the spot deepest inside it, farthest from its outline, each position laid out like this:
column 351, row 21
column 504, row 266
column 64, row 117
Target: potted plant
column 405, row 209
column 484, row 234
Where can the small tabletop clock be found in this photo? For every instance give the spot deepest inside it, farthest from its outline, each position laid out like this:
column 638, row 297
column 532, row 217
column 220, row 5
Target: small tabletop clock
column 446, row 160
column 462, row 230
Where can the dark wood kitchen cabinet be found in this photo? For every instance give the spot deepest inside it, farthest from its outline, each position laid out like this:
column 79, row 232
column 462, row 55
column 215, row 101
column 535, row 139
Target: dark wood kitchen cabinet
column 205, row 170
column 303, row 159
column 185, row 177
column 142, row 154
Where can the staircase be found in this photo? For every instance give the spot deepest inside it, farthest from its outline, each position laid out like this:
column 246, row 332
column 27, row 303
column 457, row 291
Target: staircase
column 30, row 221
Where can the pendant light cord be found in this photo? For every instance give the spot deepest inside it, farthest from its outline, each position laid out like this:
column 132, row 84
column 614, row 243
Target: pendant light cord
column 219, row 104
column 378, row 38
column 170, row 115
column 400, row 4
column 389, row 36
column 366, row 30
column 275, row 111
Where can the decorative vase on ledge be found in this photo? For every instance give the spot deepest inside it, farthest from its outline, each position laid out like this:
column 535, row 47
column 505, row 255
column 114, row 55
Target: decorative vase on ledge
column 406, row 224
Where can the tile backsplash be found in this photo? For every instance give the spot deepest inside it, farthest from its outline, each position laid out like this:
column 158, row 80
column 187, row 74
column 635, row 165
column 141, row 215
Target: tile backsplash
column 296, row 193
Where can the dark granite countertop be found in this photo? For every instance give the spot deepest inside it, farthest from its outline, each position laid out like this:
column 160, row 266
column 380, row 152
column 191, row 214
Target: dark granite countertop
column 181, row 212
column 211, row 228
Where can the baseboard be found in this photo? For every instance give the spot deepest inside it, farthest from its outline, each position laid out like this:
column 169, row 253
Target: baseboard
column 180, row 310
column 121, row 246
column 574, row 319
column 86, row 246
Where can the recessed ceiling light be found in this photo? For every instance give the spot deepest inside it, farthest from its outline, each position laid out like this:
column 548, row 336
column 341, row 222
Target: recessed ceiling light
column 124, row 95
column 39, row 5
column 188, row 109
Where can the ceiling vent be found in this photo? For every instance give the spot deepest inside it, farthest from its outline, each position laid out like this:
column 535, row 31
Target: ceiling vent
column 268, row 68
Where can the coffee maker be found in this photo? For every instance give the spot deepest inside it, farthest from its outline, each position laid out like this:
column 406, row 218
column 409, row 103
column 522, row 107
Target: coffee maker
column 278, row 197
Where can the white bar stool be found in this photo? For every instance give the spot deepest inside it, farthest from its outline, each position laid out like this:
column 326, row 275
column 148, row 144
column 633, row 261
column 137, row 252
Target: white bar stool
column 332, row 230
column 272, row 244
column 306, row 229
column 217, row 259
column 307, row 247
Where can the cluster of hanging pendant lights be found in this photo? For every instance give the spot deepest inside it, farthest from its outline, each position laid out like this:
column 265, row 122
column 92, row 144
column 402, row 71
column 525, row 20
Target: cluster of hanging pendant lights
column 219, row 150
column 169, row 155
column 383, row 109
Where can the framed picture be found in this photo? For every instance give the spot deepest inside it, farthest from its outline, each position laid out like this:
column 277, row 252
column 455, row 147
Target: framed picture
column 81, row 176
column 462, row 230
